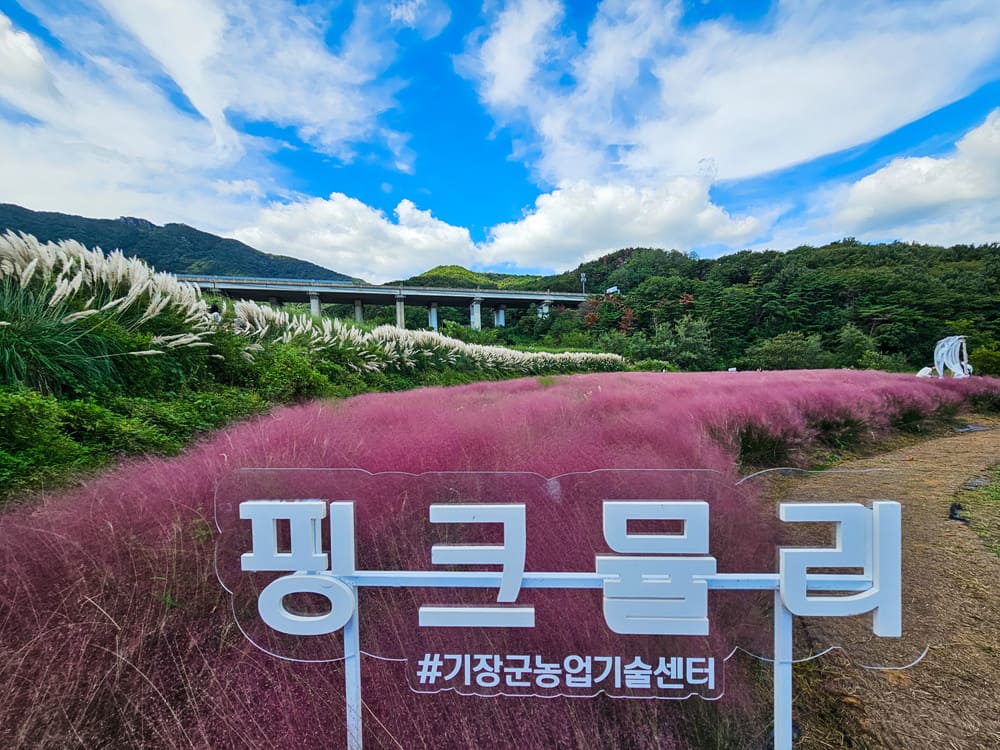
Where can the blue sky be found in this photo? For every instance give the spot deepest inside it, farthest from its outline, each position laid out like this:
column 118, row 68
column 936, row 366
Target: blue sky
column 382, row 138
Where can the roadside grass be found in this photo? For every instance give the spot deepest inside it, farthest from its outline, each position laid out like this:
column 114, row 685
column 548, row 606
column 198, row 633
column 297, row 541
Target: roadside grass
column 982, row 507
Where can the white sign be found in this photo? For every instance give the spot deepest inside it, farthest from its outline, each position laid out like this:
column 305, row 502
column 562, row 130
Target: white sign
column 652, row 584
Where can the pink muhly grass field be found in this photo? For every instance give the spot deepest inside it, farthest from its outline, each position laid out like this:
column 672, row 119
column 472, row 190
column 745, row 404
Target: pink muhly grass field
column 114, row 630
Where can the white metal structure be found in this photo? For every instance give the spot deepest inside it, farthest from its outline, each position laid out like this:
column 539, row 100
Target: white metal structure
column 951, row 353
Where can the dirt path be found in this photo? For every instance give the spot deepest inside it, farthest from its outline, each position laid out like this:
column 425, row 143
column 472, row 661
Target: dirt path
column 951, row 602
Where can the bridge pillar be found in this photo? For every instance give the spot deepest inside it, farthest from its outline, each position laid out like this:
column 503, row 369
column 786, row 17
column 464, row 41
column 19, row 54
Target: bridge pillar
column 543, row 309
column 432, row 316
column 314, row 303
column 274, row 301
column 400, row 311
column 359, row 311
column 476, row 314
column 499, row 316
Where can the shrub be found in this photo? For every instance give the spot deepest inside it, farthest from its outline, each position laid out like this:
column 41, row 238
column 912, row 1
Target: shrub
column 287, row 375
column 34, row 447
column 189, row 413
column 687, row 343
column 838, row 432
column 760, row 447
column 40, row 351
column 788, row 351
column 653, row 365
column 985, row 361
column 105, row 432
column 852, row 345
column 886, row 362
column 69, row 312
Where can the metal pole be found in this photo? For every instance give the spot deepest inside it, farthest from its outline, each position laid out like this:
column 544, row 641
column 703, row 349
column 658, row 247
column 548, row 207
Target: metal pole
column 352, row 678
column 782, row 675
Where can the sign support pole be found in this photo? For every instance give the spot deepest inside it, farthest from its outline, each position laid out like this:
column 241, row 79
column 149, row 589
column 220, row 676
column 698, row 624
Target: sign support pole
column 352, row 678
column 782, row 675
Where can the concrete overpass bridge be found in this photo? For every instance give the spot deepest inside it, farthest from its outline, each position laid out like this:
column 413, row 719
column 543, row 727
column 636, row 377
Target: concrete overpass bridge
column 277, row 291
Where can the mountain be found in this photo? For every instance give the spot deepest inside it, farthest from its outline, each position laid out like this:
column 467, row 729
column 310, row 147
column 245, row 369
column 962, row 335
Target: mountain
column 176, row 248
column 457, row 276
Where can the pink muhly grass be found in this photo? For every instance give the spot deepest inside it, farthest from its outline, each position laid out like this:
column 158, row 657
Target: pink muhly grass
column 115, row 632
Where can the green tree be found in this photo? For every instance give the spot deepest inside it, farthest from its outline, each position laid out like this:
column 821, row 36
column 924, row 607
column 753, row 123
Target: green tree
column 687, row 344
column 851, row 345
column 789, row 351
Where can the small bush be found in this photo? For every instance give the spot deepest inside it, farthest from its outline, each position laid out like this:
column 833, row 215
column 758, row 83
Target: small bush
column 908, row 419
column 789, row 351
column 38, row 350
column 34, row 447
column 985, row 361
column 189, row 413
column 871, row 360
column 287, row 375
column 106, row 432
column 653, row 365
column 838, row 432
column 987, row 401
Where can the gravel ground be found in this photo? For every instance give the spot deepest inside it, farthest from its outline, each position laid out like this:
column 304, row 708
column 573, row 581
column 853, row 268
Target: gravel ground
column 951, row 604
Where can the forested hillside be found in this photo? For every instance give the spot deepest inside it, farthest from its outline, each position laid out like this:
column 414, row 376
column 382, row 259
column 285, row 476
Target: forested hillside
column 813, row 305
column 457, row 276
column 176, row 248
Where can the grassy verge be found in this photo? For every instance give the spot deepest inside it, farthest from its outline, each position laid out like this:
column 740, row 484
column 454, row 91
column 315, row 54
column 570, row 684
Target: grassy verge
column 981, row 506
column 48, row 441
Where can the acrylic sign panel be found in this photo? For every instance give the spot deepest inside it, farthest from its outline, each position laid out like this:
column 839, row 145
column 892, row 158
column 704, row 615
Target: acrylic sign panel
column 652, row 630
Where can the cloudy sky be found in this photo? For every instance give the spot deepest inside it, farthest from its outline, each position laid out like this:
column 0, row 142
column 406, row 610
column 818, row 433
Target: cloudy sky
column 382, row 137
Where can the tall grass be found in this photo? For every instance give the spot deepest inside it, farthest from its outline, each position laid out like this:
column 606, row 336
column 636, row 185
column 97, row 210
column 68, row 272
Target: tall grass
column 114, row 631
column 72, row 317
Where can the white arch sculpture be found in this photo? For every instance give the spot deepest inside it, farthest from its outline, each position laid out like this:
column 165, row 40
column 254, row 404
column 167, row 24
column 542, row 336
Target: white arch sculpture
column 951, row 352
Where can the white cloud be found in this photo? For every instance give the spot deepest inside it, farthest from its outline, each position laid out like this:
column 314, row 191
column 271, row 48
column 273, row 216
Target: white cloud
column 427, row 17
column 238, row 187
column 948, row 199
column 576, row 222
column 509, row 58
column 53, row 173
column 158, row 25
column 632, row 121
column 270, row 62
column 21, row 64
column 643, row 100
column 580, row 221
column 103, row 131
column 349, row 236
column 102, row 135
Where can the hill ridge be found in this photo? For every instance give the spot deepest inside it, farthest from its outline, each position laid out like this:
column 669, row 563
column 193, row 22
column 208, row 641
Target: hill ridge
column 173, row 247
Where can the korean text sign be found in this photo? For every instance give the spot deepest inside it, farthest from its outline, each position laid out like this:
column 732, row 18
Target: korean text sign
column 633, row 583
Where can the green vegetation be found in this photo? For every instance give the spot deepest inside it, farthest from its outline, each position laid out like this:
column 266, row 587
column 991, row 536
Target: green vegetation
column 982, row 507
column 845, row 304
column 109, row 352
column 101, row 356
column 45, row 440
column 176, row 248
column 457, row 276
